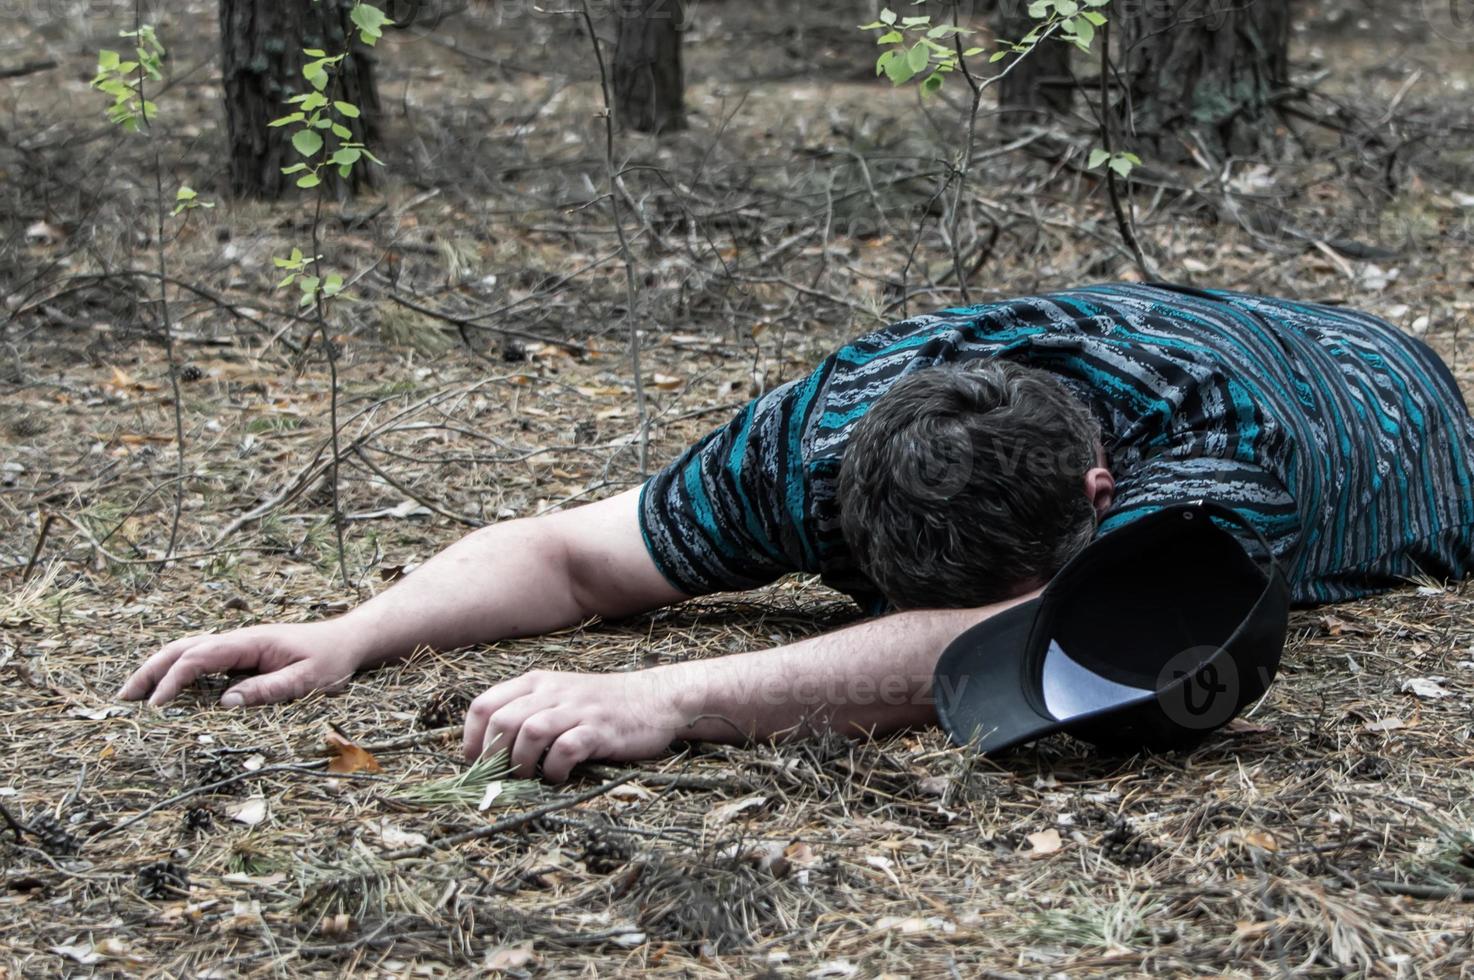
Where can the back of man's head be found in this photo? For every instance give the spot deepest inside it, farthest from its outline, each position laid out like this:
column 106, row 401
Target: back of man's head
column 964, row 484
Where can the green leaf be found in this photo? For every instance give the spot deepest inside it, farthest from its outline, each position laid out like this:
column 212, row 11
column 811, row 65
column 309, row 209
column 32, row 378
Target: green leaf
column 287, row 120
column 890, row 37
column 915, row 21
column 373, row 158
column 186, row 193
column 887, row 16
column 1122, row 166
column 107, row 59
column 314, row 52
column 307, row 142
column 347, row 156
column 308, row 180
column 1084, row 31
column 972, row 52
column 932, row 83
column 317, row 79
column 370, row 21
column 1097, row 19
column 332, row 285
column 1097, row 157
column 313, row 100
column 342, row 132
column 897, row 70
column 874, row 26
column 346, row 109
column 1039, row 10
column 295, row 168
column 917, row 57
column 1066, row 8
column 997, row 56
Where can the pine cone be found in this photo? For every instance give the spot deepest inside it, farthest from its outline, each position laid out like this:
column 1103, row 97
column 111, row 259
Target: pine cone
column 52, row 836
column 163, row 879
column 604, row 852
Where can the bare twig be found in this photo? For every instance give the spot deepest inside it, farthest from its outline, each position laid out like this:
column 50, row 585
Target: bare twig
column 36, row 551
column 1128, row 233
column 168, row 326
column 509, row 823
column 631, row 323
column 28, row 68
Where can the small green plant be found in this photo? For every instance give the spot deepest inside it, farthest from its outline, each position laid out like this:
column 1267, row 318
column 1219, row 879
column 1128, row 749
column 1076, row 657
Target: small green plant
column 1120, row 161
column 916, row 47
column 123, row 79
column 188, row 199
column 325, row 141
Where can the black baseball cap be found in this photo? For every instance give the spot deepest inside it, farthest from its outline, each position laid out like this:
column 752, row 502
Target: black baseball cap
column 1151, row 637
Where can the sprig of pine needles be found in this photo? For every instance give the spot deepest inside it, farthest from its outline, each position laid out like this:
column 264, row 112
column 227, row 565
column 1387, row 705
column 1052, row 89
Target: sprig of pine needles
column 489, row 781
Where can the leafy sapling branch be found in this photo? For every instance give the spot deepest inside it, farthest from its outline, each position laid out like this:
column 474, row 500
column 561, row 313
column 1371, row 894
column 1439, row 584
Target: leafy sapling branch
column 325, row 140
column 916, row 46
column 125, row 81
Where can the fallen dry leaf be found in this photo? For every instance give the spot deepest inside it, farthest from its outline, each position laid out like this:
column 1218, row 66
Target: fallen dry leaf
column 728, row 811
column 1424, row 687
column 912, row 925
column 348, row 757
column 1044, row 842
column 249, row 812
column 1384, row 725
column 504, row 958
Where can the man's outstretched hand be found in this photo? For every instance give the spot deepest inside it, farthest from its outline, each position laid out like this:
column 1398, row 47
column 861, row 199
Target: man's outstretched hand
column 562, row 719
column 289, row 660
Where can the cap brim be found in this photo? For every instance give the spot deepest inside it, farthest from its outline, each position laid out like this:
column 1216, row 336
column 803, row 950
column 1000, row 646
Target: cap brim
column 980, row 682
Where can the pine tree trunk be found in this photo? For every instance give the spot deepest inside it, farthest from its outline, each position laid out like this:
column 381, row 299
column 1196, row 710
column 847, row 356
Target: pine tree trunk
column 1039, row 85
column 1203, row 70
column 261, row 43
column 649, row 90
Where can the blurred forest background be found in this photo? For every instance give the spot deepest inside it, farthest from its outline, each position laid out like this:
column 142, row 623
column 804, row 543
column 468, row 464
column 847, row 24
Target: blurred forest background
column 576, row 257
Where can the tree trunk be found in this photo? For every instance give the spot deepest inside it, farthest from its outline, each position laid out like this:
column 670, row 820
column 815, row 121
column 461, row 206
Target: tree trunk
column 261, row 42
column 649, row 90
column 1203, row 69
column 1040, row 85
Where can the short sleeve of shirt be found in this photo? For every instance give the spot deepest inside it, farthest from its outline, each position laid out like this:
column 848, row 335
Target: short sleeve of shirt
column 1256, row 494
column 722, row 517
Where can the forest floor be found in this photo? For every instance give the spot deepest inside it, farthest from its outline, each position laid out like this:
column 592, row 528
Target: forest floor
column 1330, row 832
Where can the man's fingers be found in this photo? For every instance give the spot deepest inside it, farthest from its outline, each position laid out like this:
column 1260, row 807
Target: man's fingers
column 534, row 736
column 475, row 739
column 142, row 680
column 280, row 685
column 576, row 745
column 502, row 729
column 212, row 657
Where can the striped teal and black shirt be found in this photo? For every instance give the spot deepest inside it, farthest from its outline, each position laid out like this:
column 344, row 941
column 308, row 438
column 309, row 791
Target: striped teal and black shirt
column 1345, row 441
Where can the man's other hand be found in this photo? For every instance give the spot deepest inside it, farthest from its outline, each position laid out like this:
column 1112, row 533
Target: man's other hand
column 289, row 660
column 562, row 719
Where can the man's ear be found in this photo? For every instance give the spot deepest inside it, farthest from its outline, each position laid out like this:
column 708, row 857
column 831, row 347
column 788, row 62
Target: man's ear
column 1100, row 487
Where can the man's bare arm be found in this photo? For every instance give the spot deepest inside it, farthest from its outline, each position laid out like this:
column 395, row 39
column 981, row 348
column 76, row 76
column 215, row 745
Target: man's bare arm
column 515, row 579
column 875, row 677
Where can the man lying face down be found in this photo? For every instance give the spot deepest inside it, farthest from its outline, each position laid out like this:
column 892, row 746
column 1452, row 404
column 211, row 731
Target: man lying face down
column 939, row 470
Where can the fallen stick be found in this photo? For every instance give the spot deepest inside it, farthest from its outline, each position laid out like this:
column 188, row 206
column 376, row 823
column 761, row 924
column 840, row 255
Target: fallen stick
column 509, row 823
